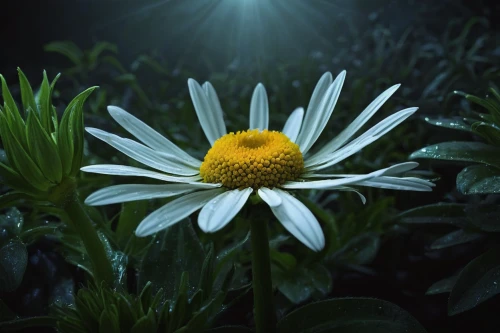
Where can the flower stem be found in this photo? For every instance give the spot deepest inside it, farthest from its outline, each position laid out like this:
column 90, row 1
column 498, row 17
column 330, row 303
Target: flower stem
column 265, row 316
column 66, row 197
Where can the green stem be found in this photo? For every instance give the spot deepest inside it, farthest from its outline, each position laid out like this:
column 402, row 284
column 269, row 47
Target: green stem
column 265, row 317
column 66, row 197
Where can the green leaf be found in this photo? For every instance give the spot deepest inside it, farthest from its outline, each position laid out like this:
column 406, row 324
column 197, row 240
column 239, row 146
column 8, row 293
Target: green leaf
column 489, row 132
column 13, row 262
column 442, row 286
column 454, row 123
column 15, row 181
column 345, row 315
column 299, row 284
column 474, row 152
column 145, row 324
column 20, row 159
column 27, row 96
column 108, row 322
column 173, row 251
column 456, row 237
column 478, row 281
column 203, row 318
column 10, row 199
column 96, row 51
column 68, row 49
column 44, row 103
column 43, row 149
column 12, row 115
column 440, row 213
column 131, row 215
column 207, row 272
column 479, row 179
column 360, row 250
column 179, row 312
column 70, row 136
column 485, row 216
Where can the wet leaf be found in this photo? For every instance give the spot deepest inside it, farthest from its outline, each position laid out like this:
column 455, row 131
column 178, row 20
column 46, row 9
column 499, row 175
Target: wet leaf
column 457, row 123
column 13, row 262
column 479, row 179
column 172, row 252
column 346, row 315
column 478, row 281
column 475, row 152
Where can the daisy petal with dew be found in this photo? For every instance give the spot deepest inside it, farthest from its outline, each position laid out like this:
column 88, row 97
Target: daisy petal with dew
column 256, row 161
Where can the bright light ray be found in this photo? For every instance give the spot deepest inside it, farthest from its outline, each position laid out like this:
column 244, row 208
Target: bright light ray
column 221, row 31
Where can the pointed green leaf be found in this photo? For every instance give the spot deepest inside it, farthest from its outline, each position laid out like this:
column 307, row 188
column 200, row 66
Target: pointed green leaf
column 350, row 315
column 454, row 123
column 12, row 116
column 478, row 281
column 489, row 132
column 207, row 270
column 70, row 136
column 230, row 329
column 475, row 152
column 15, row 181
column 27, row 96
column 179, row 312
column 479, row 179
column 10, row 199
column 43, row 149
column 442, row 286
column 145, row 324
column 440, row 213
column 456, row 237
column 44, row 103
column 108, row 322
column 96, row 51
column 22, row 162
column 68, row 49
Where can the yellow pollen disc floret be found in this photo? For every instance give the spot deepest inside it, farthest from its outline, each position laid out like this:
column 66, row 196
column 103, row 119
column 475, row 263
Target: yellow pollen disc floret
column 252, row 159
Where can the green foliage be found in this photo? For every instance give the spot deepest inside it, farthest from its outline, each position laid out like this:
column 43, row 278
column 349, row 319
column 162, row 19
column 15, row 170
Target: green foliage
column 41, row 152
column 350, row 315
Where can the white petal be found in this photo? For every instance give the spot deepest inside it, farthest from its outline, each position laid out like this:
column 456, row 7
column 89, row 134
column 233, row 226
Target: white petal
column 350, row 189
column 347, row 133
column 217, row 112
column 143, row 154
column 350, row 179
column 326, row 160
column 149, row 136
column 221, row 209
column 133, row 192
column 298, row 220
column 392, row 170
column 269, row 196
column 210, row 116
column 401, row 184
column 174, row 211
column 259, row 109
column 293, row 124
column 316, row 118
column 124, row 170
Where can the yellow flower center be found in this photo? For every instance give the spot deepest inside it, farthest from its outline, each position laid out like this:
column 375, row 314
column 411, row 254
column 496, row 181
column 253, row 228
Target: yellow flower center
column 252, row 159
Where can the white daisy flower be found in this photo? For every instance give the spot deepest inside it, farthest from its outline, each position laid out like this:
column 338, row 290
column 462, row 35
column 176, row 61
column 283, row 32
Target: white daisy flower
column 257, row 160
